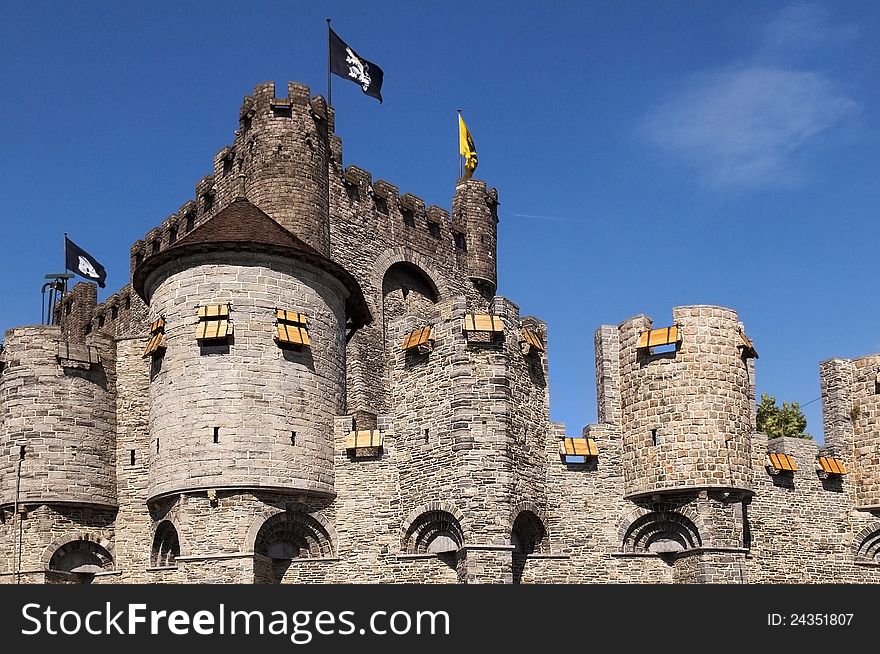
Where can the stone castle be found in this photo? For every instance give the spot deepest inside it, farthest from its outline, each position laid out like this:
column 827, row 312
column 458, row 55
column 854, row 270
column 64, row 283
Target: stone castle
column 311, row 379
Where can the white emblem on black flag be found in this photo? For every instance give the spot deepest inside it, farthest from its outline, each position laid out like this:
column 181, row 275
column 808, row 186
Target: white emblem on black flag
column 347, row 63
column 82, row 263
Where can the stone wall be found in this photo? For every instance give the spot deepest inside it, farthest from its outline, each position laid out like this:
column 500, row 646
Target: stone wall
column 803, row 529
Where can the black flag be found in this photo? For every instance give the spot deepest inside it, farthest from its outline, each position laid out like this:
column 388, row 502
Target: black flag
column 347, row 63
column 83, row 263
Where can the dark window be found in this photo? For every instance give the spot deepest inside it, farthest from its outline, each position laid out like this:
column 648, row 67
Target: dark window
column 155, row 246
column 114, row 312
column 654, row 438
column 293, row 438
column 433, row 229
column 127, row 302
column 409, row 218
column 216, row 434
column 190, row 221
column 100, row 321
column 460, row 242
column 132, row 457
column 381, row 204
column 172, row 234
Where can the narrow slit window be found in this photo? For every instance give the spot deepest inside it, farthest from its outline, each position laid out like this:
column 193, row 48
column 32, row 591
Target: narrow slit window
column 292, row 328
column 654, row 438
column 214, row 323
column 293, row 438
column 216, row 434
column 131, row 453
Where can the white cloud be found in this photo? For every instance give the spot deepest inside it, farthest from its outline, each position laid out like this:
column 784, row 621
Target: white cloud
column 748, row 125
column 744, row 127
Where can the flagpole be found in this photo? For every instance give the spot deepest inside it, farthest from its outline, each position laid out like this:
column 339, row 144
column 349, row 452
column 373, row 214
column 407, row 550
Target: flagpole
column 329, row 78
column 460, row 170
column 64, row 287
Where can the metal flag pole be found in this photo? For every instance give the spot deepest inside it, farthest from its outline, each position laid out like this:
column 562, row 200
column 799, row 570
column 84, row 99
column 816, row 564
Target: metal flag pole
column 460, row 169
column 329, row 78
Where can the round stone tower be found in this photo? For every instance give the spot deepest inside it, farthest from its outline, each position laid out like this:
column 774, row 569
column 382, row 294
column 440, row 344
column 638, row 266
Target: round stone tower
column 59, row 405
column 476, row 208
column 686, row 406
column 240, row 399
column 282, row 149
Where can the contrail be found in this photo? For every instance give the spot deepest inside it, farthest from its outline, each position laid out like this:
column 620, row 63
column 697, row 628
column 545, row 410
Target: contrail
column 557, row 218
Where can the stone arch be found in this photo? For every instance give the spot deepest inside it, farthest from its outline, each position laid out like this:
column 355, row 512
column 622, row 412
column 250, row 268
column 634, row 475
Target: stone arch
column 166, row 544
column 866, row 544
column 528, row 535
column 320, row 524
column 660, row 532
column 81, row 553
column 401, row 254
column 433, row 528
column 407, row 291
column 52, row 548
column 289, row 535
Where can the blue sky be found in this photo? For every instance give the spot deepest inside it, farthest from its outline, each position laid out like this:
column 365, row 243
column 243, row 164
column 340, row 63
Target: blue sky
column 646, row 154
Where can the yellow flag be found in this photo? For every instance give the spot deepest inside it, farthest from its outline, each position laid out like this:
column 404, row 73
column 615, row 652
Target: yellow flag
column 467, row 148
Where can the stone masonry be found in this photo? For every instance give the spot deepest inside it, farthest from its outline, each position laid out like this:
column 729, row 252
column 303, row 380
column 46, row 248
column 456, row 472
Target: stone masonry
column 310, row 379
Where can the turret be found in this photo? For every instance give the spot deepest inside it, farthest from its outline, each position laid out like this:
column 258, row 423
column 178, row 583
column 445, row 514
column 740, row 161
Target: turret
column 282, row 149
column 248, row 357
column 477, row 209
column 686, row 395
column 59, row 405
column 851, row 411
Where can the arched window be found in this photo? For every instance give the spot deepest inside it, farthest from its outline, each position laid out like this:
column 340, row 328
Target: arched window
column 868, row 549
column 527, row 537
column 407, row 290
column 81, row 557
column 661, row 532
column 434, row 532
column 166, row 545
column 290, row 535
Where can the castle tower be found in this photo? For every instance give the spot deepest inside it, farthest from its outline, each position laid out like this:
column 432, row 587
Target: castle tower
column 851, row 416
column 242, row 408
column 57, row 445
column 686, row 413
column 282, row 149
column 476, row 208
column 248, row 373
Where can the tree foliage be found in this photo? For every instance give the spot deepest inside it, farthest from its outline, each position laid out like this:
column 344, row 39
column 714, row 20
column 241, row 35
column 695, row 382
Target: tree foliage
column 787, row 420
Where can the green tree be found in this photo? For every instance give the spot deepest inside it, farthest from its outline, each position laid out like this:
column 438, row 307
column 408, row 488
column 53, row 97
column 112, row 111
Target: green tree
column 787, row 420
